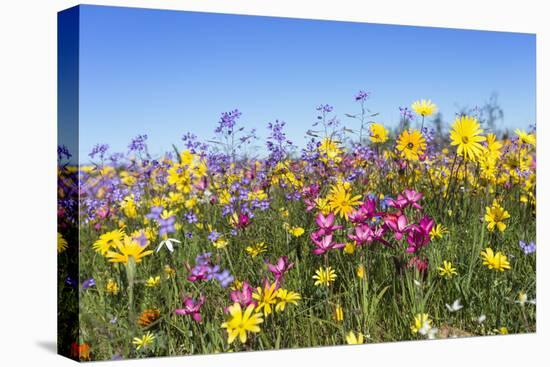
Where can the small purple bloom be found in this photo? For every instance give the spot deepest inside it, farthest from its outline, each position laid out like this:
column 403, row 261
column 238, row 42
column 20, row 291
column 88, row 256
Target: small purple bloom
column 213, row 236
column 88, row 283
column 527, row 248
column 362, row 96
column 224, row 277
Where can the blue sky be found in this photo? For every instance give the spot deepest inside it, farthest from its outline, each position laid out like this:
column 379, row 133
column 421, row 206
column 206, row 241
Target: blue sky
column 164, row 73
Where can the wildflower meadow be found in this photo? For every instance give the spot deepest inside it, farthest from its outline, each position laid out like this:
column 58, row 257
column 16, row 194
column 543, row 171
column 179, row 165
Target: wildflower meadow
column 365, row 234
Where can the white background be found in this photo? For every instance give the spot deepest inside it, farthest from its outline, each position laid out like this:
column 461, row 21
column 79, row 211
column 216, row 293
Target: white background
column 28, row 180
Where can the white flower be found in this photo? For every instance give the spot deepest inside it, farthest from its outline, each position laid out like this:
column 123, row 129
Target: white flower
column 169, row 243
column 456, row 306
column 428, row 331
column 481, row 319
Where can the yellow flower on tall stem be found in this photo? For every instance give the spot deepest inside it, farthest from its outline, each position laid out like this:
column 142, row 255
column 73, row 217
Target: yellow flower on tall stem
column 352, row 338
column 266, row 297
column 112, row 287
column 447, row 270
column 411, row 144
column 127, row 249
column 526, row 138
column 256, row 249
column 330, row 151
column 341, row 201
column 108, row 240
column 296, row 231
column 153, row 281
column 438, row 231
column 338, row 313
column 144, row 341
column 242, row 322
column 378, row 133
column 493, row 146
column 324, row 276
column 495, row 216
column 284, row 296
column 497, row 261
column 466, row 135
column 424, row 108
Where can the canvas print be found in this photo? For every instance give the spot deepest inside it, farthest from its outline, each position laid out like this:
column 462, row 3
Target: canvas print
column 232, row 183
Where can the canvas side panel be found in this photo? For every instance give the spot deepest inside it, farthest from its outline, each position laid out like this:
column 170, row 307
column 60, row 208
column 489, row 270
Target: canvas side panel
column 68, row 343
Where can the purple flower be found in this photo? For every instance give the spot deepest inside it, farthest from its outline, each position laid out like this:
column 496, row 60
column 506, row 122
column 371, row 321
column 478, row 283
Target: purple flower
column 224, row 277
column 155, row 213
column 138, row 144
column 70, row 282
column 167, row 225
column 191, row 307
column 191, row 218
column 227, row 121
column 141, row 239
column 527, row 248
column 406, row 114
column 362, row 96
column 325, row 108
column 88, row 283
column 99, row 149
column 213, row 236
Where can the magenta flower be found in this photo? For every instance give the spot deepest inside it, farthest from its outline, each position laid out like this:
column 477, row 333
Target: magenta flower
column 398, row 224
column 358, row 216
column 326, row 224
column 399, row 203
column 412, row 197
column 363, row 234
column 326, row 244
column 419, row 235
column 409, row 197
column 191, row 307
column 280, row 268
column 241, row 221
column 243, row 296
column 426, row 224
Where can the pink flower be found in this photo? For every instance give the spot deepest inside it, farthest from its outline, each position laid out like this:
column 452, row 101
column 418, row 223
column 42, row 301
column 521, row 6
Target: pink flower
column 280, row 268
column 420, row 264
column 243, row 296
column 326, row 224
column 363, row 234
column 399, row 203
column 326, row 244
column 398, row 224
column 419, row 235
column 426, row 224
column 191, row 307
column 412, row 197
column 409, row 197
column 358, row 216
